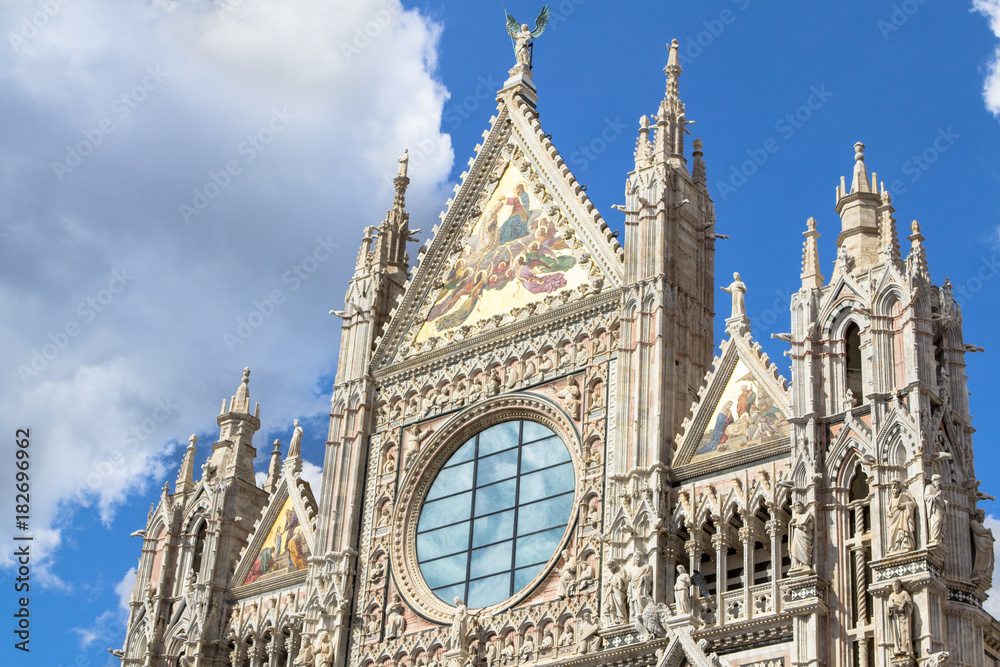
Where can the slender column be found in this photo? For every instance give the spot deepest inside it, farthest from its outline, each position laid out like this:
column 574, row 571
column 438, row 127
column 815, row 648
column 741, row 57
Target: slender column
column 721, row 544
column 774, row 531
column 860, row 586
column 274, row 649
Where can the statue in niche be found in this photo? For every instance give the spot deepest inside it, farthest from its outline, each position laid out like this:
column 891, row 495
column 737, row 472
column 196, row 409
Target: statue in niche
column 738, row 289
column 982, row 541
column 566, row 638
column 527, row 648
column 567, row 575
column 682, row 590
column 548, row 641
column 305, row 657
column 936, row 504
column 584, row 575
column 800, row 542
column 587, row 639
column 597, row 396
column 508, row 653
column 395, row 622
column 901, row 517
column 322, row 650
column 615, row 596
column 378, row 571
column 571, row 395
column 459, row 626
column 490, row 654
column 900, row 611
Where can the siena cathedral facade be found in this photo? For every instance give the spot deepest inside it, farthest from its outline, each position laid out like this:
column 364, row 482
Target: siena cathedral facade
column 538, row 453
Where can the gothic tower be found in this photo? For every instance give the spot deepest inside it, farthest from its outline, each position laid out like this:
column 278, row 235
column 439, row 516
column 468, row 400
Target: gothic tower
column 882, row 446
column 666, row 340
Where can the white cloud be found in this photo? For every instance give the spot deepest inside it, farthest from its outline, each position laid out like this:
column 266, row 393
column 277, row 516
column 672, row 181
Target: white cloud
column 107, row 627
column 119, row 345
column 313, row 474
column 992, row 605
column 991, row 87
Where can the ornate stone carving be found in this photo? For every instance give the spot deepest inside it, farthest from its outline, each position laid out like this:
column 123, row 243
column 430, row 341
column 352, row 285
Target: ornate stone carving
column 640, row 584
column 459, row 626
column 738, row 289
column 587, row 639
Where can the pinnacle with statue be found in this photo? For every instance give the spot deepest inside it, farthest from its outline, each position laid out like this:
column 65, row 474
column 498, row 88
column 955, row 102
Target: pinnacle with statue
column 524, row 37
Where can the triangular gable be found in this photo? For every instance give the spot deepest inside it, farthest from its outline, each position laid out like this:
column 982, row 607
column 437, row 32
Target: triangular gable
column 283, row 538
column 742, row 413
column 520, row 238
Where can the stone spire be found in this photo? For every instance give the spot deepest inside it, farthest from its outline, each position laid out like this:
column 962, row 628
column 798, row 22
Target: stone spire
column 917, row 259
column 889, row 243
column 185, row 477
column 671, row 122
column 394, row 231
column 812, row 277
column 274, row 470
column 643, row 149
column 858, row 242
column 698, row 173
column 240, row 402
column 233, row 454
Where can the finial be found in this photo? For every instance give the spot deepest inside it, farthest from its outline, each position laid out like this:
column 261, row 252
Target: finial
column 859, row 152
column 859, row 182
column 673, row 70
column 277, row 447
column 644, row 122
column 812, row 277
column 192, row 441
column 246, row 375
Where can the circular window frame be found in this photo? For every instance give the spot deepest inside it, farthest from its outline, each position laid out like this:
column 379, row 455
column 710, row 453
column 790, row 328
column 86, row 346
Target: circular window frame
column 415, row 486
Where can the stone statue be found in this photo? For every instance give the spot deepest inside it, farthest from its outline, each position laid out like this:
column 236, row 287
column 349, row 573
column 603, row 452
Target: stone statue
column 587, row 639
column 527, row 648
column 682, row 590
column 900, row 612
column 523, row 36
column 305, row 658
column 548, row 641
column 800, row 539
column 640, row 583
column 615, row 604
column 571, row 395
column 567, row 576
column 901, row 518
column 935, row 503
column 395, row 622
column 295, row 447
column 459, row 626
column 490, row 654
column 508, row 653
column 322, row 650
column 403, row 162
column 566, row 638
column 738, row 289
column 982, row 540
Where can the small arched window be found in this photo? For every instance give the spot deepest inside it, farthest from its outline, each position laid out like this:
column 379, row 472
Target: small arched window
column 199, row 547
column 852, row 361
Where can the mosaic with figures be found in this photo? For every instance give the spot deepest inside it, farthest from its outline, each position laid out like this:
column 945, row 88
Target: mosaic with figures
column 515, row 254
column 285, row 549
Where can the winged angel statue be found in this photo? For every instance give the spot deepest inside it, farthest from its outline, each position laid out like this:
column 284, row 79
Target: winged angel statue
column 523, row 36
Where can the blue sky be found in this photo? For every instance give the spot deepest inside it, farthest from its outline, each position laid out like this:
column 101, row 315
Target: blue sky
column 168, row 93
